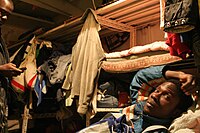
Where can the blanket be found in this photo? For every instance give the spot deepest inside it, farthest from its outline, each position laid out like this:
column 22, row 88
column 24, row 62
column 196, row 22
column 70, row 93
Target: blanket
column 189, row 122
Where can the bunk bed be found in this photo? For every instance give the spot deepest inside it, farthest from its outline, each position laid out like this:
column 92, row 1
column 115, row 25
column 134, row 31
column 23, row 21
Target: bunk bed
column 120, row 16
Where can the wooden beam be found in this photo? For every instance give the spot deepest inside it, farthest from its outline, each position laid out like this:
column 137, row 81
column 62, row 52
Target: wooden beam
column 113, row 24
column 33, row 18
column 44, row 6
column 57, row 29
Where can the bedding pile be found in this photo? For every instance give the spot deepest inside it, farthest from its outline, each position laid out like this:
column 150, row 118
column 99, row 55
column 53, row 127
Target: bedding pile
column 138, row 57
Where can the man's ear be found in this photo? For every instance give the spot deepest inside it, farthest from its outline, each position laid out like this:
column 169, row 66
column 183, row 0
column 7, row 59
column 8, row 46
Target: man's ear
column 176, row 113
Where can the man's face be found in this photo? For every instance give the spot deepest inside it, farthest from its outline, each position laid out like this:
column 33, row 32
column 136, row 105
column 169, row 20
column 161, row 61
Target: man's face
column 6, row 7
column 3, row 16
column 162, row 103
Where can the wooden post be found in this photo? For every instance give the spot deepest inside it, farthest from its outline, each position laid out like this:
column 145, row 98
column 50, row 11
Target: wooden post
column 133, row 37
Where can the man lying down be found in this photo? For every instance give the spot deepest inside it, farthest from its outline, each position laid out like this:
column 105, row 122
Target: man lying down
column 167, row 102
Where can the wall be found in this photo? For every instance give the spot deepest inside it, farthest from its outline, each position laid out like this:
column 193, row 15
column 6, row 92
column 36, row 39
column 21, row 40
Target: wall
column 144, row 36
column 11, row 33
column 149, row 34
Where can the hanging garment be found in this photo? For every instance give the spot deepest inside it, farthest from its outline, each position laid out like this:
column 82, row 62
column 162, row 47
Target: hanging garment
column 176, row 46
column 181, row 15
column 56, row 66
column 40, row 86
column 87, row 55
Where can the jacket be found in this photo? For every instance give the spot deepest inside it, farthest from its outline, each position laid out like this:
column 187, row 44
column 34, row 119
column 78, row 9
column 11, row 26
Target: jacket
column 87, row 56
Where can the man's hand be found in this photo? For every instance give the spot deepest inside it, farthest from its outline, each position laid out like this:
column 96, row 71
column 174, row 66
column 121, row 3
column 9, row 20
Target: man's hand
column 189, row 83
column 9, row 70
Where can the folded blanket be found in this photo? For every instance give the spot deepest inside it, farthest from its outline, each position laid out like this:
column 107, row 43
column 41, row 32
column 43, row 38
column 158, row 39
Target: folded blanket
column 189, row 122
column 155, row 46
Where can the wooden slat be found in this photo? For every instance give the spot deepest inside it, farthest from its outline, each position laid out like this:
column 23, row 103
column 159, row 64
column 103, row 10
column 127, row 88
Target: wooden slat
column 145, row 20
column 144, row 12
column 123, row 11
column 61, row 27
column 114, row 6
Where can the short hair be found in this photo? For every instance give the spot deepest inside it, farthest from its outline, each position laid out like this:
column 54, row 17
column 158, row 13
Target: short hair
column 185, row 100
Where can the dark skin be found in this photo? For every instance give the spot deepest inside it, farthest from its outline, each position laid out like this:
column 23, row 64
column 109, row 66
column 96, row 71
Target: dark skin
column 190, row 84
column 8, row 70
column 163, row 102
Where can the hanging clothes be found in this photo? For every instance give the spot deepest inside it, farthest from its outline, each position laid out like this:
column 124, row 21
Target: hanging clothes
column 87, row 56
column 177, row 46
column 56, row 66
column 181, row 16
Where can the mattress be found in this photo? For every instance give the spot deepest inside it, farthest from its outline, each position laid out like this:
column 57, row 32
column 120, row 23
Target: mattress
column 135, row 62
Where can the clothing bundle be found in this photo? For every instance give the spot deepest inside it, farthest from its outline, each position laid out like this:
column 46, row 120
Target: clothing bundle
column 180, row 21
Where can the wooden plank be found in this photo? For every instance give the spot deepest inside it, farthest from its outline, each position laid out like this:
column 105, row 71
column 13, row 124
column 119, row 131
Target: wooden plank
column 132, row 7
column 145, row 20
column 134, row 15
column 114, row 6
column 61, row 27
column 114, row 24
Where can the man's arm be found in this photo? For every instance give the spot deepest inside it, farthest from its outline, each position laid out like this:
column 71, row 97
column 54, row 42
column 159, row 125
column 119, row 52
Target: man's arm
column 189, row 81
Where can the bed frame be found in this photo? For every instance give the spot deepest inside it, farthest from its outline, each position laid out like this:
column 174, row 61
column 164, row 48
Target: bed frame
column 120, row 16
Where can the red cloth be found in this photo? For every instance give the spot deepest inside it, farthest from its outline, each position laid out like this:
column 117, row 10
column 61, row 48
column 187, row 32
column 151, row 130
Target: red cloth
column 177, row 47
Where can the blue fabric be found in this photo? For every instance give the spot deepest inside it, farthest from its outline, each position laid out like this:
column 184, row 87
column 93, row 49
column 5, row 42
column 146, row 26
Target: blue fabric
column 117, row 125
column 38, row 89
column 144, row 76
column 141, row 121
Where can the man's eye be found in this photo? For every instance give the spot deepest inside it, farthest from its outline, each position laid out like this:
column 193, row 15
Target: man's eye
column 156, row 91
column 167, row 96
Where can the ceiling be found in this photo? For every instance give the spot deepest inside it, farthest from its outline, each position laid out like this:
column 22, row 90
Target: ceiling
column 122, row 15
column 56, row 15
column 30, row 14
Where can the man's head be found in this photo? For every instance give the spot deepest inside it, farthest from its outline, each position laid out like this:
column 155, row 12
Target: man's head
column 6, row 7
column 167, row 101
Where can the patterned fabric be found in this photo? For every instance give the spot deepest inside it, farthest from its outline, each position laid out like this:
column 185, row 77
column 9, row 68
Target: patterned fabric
column 129, row 65
column 3, row 110
column 181, row 16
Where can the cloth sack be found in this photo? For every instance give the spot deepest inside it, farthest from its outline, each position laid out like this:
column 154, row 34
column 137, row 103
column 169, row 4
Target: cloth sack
column 28, row 77
column 180, row 15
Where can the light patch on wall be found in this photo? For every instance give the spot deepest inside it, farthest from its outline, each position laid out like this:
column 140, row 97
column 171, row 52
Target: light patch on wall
column 11, row 34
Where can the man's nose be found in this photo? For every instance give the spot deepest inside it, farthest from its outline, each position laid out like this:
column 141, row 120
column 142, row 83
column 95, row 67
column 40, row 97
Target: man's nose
column 156, row 96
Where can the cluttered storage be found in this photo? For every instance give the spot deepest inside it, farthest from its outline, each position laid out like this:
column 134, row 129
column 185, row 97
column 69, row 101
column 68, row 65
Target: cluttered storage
column 124, row 66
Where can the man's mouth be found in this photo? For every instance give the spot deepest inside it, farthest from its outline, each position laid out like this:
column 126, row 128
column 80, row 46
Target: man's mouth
column 151, row 103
